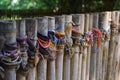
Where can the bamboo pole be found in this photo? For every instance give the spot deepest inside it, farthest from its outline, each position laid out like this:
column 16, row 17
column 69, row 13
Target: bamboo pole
column 42, row 64
column 21, row 33
column 82, row 17
column 89, row 49
column 94, row 50
column 116, row 58
column 60, row 21
column 74, row 59
column 31, row 29
column 104, row 49
column 84, row 56
column 8, row 30
column 51, row 75
column 66, row 64
column 111, row 51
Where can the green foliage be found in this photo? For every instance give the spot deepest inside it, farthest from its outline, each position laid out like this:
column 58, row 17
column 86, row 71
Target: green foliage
column 28, row 4
column 30, row 8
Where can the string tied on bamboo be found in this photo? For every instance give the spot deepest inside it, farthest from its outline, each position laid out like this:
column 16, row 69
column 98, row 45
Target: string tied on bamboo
column 22, row 43
column 76, row 34
column 98, row 35
column 68, row 41
column 31, row 50
column 46, row 47
column 90, row 34
column 114, row 28
column 60, row 36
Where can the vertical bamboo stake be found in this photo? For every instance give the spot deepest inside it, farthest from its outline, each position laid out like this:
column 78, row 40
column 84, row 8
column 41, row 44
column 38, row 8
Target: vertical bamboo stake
column 94, row 50
column 115, row 46
column 74, row 60
column 111, row 51
column 31, row 29
column 89, row 48
column 117, row 51
column 105, row 25
column 82, row 17
column 96, row 16
column 21, row 34
column 84, row 56
column 42, row 64
column 51, row 63
column 68, row 29
column 8, row 30
column 116, row 58
column 60, row 21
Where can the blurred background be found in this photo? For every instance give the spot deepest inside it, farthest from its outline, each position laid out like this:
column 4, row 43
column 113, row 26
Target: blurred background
column 32, row 8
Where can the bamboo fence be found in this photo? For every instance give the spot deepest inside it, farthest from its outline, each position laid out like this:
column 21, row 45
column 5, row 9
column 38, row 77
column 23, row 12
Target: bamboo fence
column 61, row 47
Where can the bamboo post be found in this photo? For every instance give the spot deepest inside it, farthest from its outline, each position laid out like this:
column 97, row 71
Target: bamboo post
column 66, row 64
column 21, row 34
column 51, row 75
column 116, row 58
column 106, row 27
column 8, row 30
column 98, row 54
column 93, row 50
column 111, row 50
column 31, row 29
column 60, row 21
column 74, row 59
column 84, row 56
column 117, row 50
column 42, row 64
column 82, row 17
column 2, row 41
column 89, row 48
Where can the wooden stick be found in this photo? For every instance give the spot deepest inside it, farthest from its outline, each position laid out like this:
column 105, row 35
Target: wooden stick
column 42, row 64
column 74, row 59
column 60, row 21
column 66, row 64
column 51, row 63
column 21, row 33
column 31, row 30
column 84, row 56
column 82, row 16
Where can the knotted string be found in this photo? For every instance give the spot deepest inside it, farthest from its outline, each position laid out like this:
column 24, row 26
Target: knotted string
column 45, row 43
column 22, row 39
column 98, row 34
column 89, row 33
